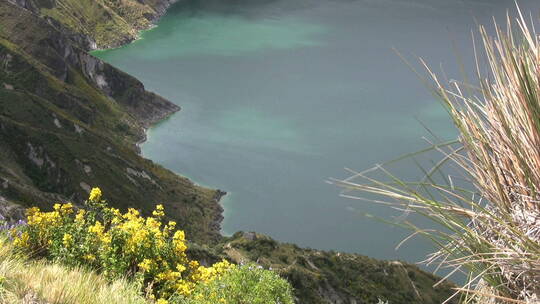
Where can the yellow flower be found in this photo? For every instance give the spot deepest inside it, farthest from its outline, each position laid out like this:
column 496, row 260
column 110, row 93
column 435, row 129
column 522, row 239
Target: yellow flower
column 32, row 211
column 131, row 215
column 160, row 243
column 179, row 235
column 95, row 195
column 90, row 257
column 117, row 215
column 208, row 274
column 145, row 265
column 179, row 241
column 67, row 240
column 66, row 208
column 22, row 240
column 162, row 301
column 98, row 229
column 159, row 212
column 193, row 264
column 180, row 267
column 169, row 228
column 185, row 288
column 80, row 216
column 153, row 224
column 168, row 275
column 115, row 212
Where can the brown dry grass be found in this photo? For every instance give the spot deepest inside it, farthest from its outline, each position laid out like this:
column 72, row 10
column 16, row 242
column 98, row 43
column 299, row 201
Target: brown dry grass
column 28, row 281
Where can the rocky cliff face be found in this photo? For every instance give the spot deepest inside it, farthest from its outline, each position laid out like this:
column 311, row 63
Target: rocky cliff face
column 59, row 49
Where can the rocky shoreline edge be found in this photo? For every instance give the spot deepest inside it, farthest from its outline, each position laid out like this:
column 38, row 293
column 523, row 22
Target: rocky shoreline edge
column 160, row 116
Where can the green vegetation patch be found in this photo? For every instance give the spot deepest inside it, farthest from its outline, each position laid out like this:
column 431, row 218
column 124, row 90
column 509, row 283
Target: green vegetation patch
column 143, row 250
column 109, row 23
column 322, row 276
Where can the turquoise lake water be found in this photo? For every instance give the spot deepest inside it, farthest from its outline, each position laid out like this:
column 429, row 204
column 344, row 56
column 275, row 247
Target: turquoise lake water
column 279, row 96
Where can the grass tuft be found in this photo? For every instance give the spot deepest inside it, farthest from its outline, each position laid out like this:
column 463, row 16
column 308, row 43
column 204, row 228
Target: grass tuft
column 29, row 281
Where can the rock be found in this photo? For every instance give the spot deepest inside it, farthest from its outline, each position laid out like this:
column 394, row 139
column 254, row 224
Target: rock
column 57, row 123
column 11, row 211
column 140, row 174
column 78, row 129
column 249, row 235
column 85, row 187
column 33, row 155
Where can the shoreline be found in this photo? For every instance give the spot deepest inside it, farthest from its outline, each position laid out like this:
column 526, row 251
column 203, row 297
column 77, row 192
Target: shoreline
column 146, row 124
column 219, row 194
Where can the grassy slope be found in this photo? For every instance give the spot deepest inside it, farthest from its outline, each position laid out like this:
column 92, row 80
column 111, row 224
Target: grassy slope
column 109, row 22
column 58, row 133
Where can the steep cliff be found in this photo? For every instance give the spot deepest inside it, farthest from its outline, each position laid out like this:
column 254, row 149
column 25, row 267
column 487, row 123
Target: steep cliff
column 69, row 121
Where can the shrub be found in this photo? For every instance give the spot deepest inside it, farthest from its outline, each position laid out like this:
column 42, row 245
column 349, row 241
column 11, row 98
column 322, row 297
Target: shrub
column 244, row 284
column 143, row 250
column 118, row 245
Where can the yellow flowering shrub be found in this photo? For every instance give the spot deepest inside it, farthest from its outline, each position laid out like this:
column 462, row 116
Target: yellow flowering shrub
column 118, row 244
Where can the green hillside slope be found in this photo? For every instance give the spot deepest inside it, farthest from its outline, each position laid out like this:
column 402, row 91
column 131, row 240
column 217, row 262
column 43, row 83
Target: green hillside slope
column 69, row 122
column 108, row 23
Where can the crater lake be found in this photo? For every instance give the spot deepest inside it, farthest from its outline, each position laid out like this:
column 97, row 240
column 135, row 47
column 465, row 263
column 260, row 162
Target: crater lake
column 280, row 96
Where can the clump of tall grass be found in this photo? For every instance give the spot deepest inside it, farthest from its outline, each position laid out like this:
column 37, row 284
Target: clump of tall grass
column 491, row 231
column 23, row 280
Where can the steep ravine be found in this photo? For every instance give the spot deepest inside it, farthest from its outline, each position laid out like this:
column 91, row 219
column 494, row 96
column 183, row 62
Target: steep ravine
column 69, row 121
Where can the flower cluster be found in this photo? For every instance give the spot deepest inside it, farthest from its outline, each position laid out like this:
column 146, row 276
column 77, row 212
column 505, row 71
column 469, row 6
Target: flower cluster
column 118, row 244
column 10, row 227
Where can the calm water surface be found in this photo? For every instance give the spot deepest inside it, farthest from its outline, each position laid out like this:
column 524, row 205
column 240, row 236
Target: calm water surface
column 278, row 96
